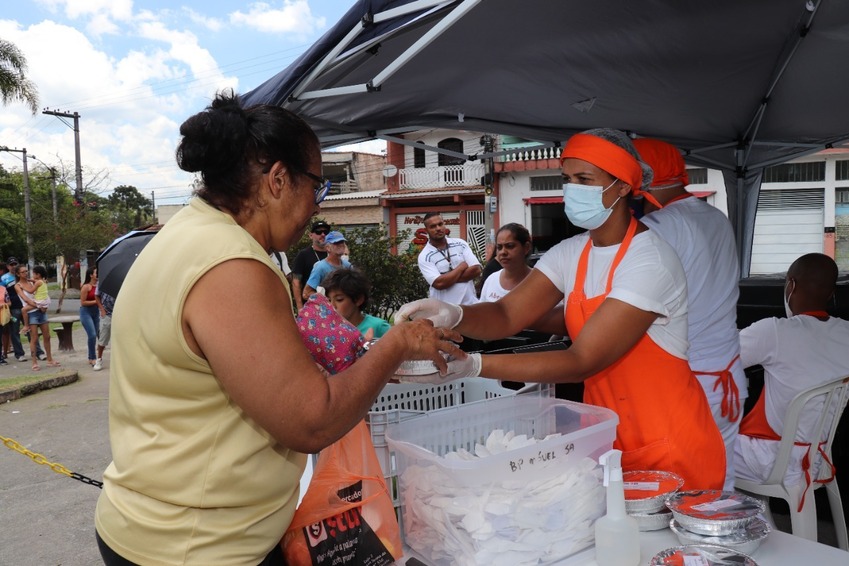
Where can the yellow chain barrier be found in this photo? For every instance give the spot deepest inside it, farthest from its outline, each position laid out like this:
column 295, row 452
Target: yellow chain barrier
column 39, row 459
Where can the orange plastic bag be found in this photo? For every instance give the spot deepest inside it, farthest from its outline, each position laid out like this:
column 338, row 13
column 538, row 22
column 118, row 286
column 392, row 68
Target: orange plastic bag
column 346, row 516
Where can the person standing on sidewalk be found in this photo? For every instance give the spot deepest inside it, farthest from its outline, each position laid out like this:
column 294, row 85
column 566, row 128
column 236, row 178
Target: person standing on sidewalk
column 89, row 313
column 105, row 303
column 17, row 271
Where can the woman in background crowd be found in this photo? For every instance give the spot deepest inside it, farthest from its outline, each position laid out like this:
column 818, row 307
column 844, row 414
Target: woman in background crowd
column 512, row 247
column 90, row 313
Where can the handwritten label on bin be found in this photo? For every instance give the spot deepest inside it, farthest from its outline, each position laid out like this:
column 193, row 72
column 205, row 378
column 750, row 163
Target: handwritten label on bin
column 716, row 505
column 695, row 561
column 642, row 485
column 541, row 458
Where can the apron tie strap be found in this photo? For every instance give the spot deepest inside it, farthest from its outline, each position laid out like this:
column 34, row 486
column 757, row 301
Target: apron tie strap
column 730, row 393
column 806, row 467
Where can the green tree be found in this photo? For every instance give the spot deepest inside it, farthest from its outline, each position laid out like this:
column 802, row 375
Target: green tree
column 395, row 279
column 128, row 208
column 14, row 84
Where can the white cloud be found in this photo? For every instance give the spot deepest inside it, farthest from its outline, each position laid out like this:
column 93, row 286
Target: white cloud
column 293, row 17
column 121, row 10
column 212, row 24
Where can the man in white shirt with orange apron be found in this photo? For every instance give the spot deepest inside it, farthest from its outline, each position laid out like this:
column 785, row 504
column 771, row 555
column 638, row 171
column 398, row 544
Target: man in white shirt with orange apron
column 704, row 241
column 807, row 348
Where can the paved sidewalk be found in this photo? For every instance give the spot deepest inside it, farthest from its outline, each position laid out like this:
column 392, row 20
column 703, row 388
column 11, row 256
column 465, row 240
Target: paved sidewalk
column 47, row 518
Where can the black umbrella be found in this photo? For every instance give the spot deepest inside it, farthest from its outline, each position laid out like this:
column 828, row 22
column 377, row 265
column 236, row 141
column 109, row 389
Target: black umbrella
column 115, row 261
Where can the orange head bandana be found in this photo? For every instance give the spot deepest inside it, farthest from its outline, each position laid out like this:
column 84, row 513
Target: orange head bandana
column 605, row 155
column 666, row 162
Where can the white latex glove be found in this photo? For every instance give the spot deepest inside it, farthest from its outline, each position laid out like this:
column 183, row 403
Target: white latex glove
column 470, row 366
column 442, row 314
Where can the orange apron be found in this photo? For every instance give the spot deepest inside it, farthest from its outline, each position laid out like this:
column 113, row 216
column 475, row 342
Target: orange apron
column 730, row 394
column 665, row 422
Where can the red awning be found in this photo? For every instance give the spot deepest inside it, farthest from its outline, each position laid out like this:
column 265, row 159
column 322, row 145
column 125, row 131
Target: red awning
column 543, row 200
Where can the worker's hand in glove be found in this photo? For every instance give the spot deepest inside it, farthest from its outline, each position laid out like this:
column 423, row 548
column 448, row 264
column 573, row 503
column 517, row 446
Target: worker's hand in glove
column 443, row 315
column 470, row 366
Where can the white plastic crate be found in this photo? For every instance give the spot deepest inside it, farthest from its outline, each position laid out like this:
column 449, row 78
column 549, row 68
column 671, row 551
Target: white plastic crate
column 399, row 402
column 419, row 446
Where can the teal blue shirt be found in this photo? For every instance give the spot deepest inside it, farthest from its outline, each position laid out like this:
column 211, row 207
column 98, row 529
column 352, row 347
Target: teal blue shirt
column 380, row 326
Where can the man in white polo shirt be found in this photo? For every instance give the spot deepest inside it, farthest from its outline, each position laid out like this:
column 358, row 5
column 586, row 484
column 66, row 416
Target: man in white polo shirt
column 448, row 264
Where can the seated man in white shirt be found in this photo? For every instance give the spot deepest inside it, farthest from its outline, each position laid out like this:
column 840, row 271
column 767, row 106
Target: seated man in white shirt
column 807, row 348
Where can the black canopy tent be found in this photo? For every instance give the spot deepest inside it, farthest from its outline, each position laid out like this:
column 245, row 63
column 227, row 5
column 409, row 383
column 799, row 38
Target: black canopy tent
column 737, row 85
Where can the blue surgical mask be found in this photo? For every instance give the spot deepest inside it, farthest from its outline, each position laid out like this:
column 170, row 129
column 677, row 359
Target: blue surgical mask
column 584, row 206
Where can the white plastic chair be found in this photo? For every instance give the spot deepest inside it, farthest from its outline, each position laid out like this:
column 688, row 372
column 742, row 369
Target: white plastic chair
column 804, row 523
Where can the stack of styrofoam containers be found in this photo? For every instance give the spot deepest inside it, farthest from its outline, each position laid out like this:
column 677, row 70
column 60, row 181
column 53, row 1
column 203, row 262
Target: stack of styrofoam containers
column 535, row 504
column 399, row 402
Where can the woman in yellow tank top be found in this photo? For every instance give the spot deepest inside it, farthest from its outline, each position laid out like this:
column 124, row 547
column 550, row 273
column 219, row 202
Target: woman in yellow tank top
column 212, row 408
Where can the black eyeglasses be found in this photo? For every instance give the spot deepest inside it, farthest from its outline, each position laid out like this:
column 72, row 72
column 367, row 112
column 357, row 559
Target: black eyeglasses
column 321, row 231
column 322, row 186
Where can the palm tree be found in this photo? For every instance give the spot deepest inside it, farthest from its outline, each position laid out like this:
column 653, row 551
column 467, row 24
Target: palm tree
column 14, row 85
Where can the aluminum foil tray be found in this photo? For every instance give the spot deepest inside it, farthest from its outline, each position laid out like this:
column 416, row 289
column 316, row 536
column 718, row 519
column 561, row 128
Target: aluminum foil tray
column 710, row 555
column 646, row 491
column 713, row 512
column 746, row 541
column 656, row 521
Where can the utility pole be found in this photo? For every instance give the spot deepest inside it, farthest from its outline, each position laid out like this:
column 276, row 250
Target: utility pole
column 78, row 192
column 153, row 204
column 489, row 200
column 27, row 214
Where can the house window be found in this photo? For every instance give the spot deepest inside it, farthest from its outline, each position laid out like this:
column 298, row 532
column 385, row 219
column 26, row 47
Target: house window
column 419, row 156
column 451, row 144
column 698, row 176
column 547, row 183
column 841, row 170
column 841, row 196
column 795, row 173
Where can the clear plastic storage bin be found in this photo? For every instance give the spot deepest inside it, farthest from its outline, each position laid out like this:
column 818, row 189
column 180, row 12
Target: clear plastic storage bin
column 399, row 402
column 541, row 498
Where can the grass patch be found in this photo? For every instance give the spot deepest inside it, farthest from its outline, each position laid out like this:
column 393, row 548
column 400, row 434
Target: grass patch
column 16, row 382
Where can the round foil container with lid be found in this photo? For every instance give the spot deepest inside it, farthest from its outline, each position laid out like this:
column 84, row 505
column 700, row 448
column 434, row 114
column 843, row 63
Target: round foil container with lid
column 713, row 512
column 710, row 555
column 653, row 521
column 746, row 541
column 646, row 491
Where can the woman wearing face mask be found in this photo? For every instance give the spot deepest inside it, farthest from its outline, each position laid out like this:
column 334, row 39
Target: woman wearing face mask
column 626, row 313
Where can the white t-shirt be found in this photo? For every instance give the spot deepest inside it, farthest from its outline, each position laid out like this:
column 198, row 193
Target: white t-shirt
column 796, row 353
column 492, row 289
column 702, row 237
column 434, row 262
column 283, row 262
column 649, row 277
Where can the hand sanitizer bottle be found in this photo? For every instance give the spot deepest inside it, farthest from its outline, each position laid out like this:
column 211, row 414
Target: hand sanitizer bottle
column 617, row 537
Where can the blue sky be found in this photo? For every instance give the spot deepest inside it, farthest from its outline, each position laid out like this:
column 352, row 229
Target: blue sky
column 134, row 70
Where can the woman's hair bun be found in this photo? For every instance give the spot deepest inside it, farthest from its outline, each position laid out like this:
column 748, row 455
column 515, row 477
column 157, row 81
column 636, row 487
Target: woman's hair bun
column 214, row 139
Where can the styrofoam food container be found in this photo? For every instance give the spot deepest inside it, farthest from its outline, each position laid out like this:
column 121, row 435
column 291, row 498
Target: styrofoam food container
column 711, row 556
column 746, row 540
column 646, row 491
column 713, row 512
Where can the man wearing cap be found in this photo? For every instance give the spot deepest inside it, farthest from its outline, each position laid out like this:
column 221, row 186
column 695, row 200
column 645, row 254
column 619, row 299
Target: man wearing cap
column 337, row 256
column 448, row 264
column 307, row 258
column 704, row 241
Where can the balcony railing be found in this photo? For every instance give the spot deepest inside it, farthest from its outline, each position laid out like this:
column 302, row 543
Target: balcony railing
column 532, row 154
column 466, row 175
